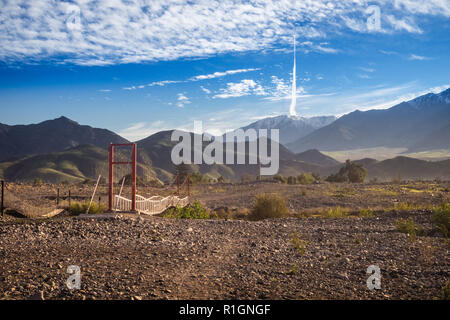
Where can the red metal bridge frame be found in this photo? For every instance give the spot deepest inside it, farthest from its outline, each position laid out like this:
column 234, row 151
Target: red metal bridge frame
column 133, row 173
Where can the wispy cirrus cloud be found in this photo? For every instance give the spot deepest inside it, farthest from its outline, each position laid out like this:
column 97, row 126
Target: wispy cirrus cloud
column 417, row 57
column 142, row 130
column 104, row 32
column 221, row 74
column 207, row 91
column 214, row 75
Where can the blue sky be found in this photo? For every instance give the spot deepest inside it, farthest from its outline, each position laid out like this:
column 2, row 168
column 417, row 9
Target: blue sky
column 137, row 67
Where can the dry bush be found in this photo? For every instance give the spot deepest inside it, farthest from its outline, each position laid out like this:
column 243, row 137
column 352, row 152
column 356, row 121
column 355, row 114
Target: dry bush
column 268, row 206
column 76, row 208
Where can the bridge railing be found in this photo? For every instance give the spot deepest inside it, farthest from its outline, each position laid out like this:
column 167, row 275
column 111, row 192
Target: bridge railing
column 152, row 205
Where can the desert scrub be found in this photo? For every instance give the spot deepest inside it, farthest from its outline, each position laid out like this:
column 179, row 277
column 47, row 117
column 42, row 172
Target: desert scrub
column 79, row 208
column 405, row 207
column 441, row 217
column 446, row 291
column 192, row 211
column 365, row 213
column 293, row 270
column 280, row 178
column 409, row 227
column 306, row 178
column 38, row 182
column 298, row 244
column 268, row 206
column 337, row 212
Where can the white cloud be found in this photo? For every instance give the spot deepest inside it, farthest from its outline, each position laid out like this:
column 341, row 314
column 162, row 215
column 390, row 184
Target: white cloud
column 104, row 90
column 182, row 100
column 417, row 57
column 162, row 83
column 142, row 130
column 207, row 91
column 405, row 24
column 221, row 74
column 107, row 32
column 195, row 78
column 367, row 69
column 244, row 88
column 281, row 90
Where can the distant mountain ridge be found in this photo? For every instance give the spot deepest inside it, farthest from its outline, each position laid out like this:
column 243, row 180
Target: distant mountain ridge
column 291, row 127
column 49, row 136
column 419, row 124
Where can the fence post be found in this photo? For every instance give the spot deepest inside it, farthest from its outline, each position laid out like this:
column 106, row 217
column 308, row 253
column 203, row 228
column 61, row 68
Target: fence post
column 69, row 198
column 3, row 196
column 188, row 183
column 57, row 197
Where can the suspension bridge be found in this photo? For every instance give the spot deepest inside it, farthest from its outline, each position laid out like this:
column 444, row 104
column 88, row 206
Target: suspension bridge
column 152, row 205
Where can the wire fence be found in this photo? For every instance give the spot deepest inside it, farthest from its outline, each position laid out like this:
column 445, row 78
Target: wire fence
column 32, row 201
column 25, row 200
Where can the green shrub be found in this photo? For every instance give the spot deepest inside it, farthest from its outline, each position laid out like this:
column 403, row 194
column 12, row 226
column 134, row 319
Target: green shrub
column 88, row 181
column 441, row 217
column 337, row 212
column 446, row 291
column 280, row 178
column 79, row 208
column 352, row 172
column 197, row 178
column 409, row 227
column 293, row 270
column 405, row 207
column 192, row 211
column 306, row 178
column 268, row 206
column 38, row 182
column 365, row 213
column 338, row 177
column 292, row 180
column 298, row 244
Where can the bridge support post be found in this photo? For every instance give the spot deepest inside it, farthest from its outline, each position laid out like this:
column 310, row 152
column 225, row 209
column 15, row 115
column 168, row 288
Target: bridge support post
column 111, row 177
column 3, row 197
column 133, row 179
column 188, row 185
column 133, row 173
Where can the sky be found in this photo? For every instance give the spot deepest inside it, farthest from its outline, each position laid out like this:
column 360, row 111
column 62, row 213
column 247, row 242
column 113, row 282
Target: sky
column 138, row 67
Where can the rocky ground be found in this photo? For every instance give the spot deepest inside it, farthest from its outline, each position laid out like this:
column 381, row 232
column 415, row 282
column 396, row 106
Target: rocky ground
column 132, row 257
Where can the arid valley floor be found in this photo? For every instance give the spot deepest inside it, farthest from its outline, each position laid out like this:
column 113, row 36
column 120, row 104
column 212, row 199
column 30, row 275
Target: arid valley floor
column 305, row 256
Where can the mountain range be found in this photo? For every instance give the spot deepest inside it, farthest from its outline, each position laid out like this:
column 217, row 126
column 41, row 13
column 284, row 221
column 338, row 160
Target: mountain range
column 291, row 127
column 50, row 136
column 61, row 149
column 419, row 124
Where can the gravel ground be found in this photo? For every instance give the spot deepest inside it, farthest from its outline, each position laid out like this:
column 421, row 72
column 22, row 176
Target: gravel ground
column 132, row 257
